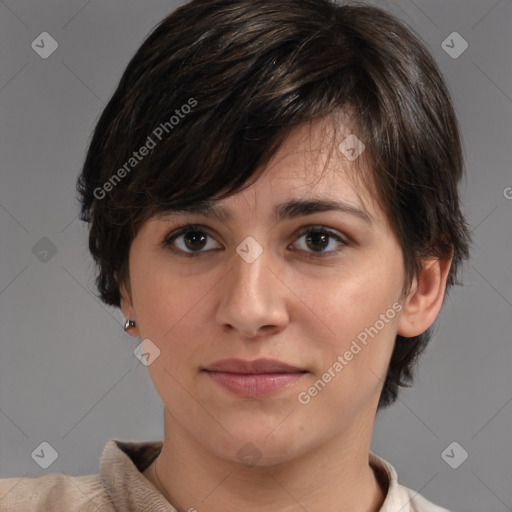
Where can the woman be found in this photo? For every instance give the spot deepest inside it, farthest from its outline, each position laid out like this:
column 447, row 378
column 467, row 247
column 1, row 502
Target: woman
column 272, row 199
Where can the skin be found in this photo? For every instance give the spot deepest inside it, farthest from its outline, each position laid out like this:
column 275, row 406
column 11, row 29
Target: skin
column 284, row 305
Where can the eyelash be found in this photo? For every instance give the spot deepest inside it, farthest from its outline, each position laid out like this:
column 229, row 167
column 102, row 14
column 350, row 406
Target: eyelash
column 169, row 239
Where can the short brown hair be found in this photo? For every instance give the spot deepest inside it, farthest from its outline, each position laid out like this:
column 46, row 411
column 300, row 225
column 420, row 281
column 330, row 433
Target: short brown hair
column 249, row 71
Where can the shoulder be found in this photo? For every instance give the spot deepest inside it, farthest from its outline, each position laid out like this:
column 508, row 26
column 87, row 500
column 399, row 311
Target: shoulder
column 418, row 503
column 118, row 486
column 398, row 497
column 56, row 492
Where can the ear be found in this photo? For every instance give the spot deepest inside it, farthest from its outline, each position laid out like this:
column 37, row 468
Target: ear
column 424, row 300
column 128, row 309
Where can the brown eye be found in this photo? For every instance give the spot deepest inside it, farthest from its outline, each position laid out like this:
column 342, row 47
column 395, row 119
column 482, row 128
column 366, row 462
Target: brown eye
column 194, row 240
column 189, row 240
column 318, row 239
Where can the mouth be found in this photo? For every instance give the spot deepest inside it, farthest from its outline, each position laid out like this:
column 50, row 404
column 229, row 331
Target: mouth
column 253, row 379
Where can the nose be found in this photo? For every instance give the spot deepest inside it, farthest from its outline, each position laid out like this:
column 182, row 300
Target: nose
column 253, row 298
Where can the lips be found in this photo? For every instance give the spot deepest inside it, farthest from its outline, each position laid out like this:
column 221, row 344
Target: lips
column 252, row 367
column 253, row 379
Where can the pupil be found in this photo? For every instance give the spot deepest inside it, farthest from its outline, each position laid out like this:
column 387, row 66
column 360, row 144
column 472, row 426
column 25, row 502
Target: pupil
column 195, row 237
column 316, row 239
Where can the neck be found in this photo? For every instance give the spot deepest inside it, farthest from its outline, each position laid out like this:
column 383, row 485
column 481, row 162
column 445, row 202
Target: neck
column 332, row 477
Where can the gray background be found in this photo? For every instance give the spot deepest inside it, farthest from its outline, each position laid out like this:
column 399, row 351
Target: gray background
column 68, row 375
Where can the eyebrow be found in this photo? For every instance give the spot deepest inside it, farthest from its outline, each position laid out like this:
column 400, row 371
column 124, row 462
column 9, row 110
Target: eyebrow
column 289, row 210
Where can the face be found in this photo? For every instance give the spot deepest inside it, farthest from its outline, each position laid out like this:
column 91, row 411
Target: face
column 318, row 291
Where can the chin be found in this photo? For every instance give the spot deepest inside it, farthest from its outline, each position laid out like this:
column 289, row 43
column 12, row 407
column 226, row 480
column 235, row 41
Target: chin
column 254, row 446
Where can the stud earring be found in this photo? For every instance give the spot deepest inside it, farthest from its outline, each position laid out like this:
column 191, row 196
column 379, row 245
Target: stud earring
column 129, row 324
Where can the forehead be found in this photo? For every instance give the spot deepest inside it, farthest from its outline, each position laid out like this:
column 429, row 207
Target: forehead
column 310, row 156
column 308, row 174
column 310, row 164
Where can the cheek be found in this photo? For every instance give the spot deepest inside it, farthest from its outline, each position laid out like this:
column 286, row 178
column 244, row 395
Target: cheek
column 355, row 364
column 167, row 308
column 161, row 296
column 361, row 313
column 172, row 311
column 351, row 301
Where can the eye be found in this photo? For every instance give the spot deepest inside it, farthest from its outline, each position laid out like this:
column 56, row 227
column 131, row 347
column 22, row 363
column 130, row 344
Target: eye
column 318, row 237
column 189, row 240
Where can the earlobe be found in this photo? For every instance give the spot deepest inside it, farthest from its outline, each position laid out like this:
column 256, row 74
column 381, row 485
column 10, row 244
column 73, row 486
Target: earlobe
column 424, row 301
column 128, row 310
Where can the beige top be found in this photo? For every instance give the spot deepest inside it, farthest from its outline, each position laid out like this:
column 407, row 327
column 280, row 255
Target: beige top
column 120, row 486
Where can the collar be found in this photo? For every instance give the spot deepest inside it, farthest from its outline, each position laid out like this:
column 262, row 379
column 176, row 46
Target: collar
column 121, row 467
column 122, row 464
column 397, row 497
